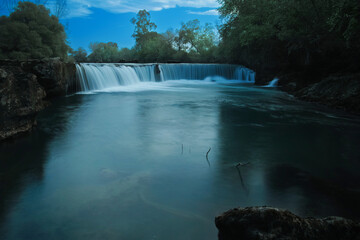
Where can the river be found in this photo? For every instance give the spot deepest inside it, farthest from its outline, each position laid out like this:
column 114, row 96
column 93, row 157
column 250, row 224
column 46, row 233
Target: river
column 157, row 160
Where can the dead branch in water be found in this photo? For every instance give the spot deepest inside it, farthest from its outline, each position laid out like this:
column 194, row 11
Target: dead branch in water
column 241, row 164
column 242, row 181
column 208, row 162
column 207, row 154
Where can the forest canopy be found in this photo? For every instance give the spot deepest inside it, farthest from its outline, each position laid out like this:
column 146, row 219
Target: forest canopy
column 31, row 32
column 291, row 32
column 192, row 42
column 277, row 34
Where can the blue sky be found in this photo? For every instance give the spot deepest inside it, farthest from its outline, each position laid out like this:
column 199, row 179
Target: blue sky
column 109, row 20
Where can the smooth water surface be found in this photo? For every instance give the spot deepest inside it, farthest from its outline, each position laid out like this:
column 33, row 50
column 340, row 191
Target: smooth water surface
column 130, row 162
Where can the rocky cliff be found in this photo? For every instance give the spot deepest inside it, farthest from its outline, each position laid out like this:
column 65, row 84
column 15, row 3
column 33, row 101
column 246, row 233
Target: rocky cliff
column 341, row 90
column 25, row 88
column 266, row 223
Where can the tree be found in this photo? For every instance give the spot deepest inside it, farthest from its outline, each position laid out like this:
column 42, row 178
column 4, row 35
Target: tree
column 197, row 40
column 60, row 8
column 79, row 55
column 156, row 48
column 127, row 55
column 295, row 33
column 143, row 28
column 104, row 52
column 30, row 32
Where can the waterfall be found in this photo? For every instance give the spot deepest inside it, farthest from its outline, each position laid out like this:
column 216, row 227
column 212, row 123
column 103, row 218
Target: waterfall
column 272, row 83
column 202, row 71
column 95, row 76
column 99, row 76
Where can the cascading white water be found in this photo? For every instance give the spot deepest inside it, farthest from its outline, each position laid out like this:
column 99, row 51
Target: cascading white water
column 272, row 83
column 94, row 76
column 99, row 76
column 244, row 74
column 202, row 71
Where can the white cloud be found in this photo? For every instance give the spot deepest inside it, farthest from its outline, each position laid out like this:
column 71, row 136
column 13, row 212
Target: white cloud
column 81, row 8
column 213, row 12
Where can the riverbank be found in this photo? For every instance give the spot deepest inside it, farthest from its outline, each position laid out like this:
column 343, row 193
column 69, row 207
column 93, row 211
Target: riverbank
column 336, row 90
column 26, row 88
column 268, row 223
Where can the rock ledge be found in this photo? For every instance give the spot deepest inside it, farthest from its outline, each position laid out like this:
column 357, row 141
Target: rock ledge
column 266, row 223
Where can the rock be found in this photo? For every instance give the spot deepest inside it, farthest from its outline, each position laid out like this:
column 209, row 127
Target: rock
column 55, row 76
column 268, row 223
column 336, row 91
column 21, row 98
column 341, row 91
column 23, row 88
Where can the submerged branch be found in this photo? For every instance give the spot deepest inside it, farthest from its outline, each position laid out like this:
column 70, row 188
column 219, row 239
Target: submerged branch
column 207, row 154
column 241, row 164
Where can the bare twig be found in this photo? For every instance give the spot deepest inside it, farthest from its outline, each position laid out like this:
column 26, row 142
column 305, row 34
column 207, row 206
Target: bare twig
column 241, row 164
column 182, row 149
column 242, row 181
column 207, row 154
column 208, row 162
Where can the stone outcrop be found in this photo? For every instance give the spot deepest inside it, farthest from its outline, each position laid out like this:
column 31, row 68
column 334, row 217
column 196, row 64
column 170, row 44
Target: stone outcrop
column 266, row 223
column 336, row 91
column 24, row 88
column 341, row 91
column 55, row 76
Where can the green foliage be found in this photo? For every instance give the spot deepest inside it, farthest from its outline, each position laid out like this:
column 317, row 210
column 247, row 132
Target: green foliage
column 126, row 55
column 79, row 55
column 143, row 28
column 30, row 32
column 191, row 43
column 104, row 52
column 192, row 37
column 156, row 48
column 292, row 32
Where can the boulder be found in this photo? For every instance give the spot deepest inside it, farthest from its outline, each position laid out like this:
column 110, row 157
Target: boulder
column 24, row 85
column 336, row 91
column 266, row 223
column 21, row 97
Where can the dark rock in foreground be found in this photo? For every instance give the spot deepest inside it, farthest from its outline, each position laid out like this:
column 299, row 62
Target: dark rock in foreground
column 268, row 223
column 337, row 91
column 21, row 97
column 23, row 89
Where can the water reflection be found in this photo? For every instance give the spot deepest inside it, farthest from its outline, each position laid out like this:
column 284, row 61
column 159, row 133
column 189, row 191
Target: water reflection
column 17, row 169
column 330, row 197
column 283, row 140
column 238, row 168
column 23, row 160
column 105, row 164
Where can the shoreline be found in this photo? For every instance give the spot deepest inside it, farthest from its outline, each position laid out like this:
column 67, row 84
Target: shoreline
column 267, row 223
column 27, row 87
column 339, row 91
